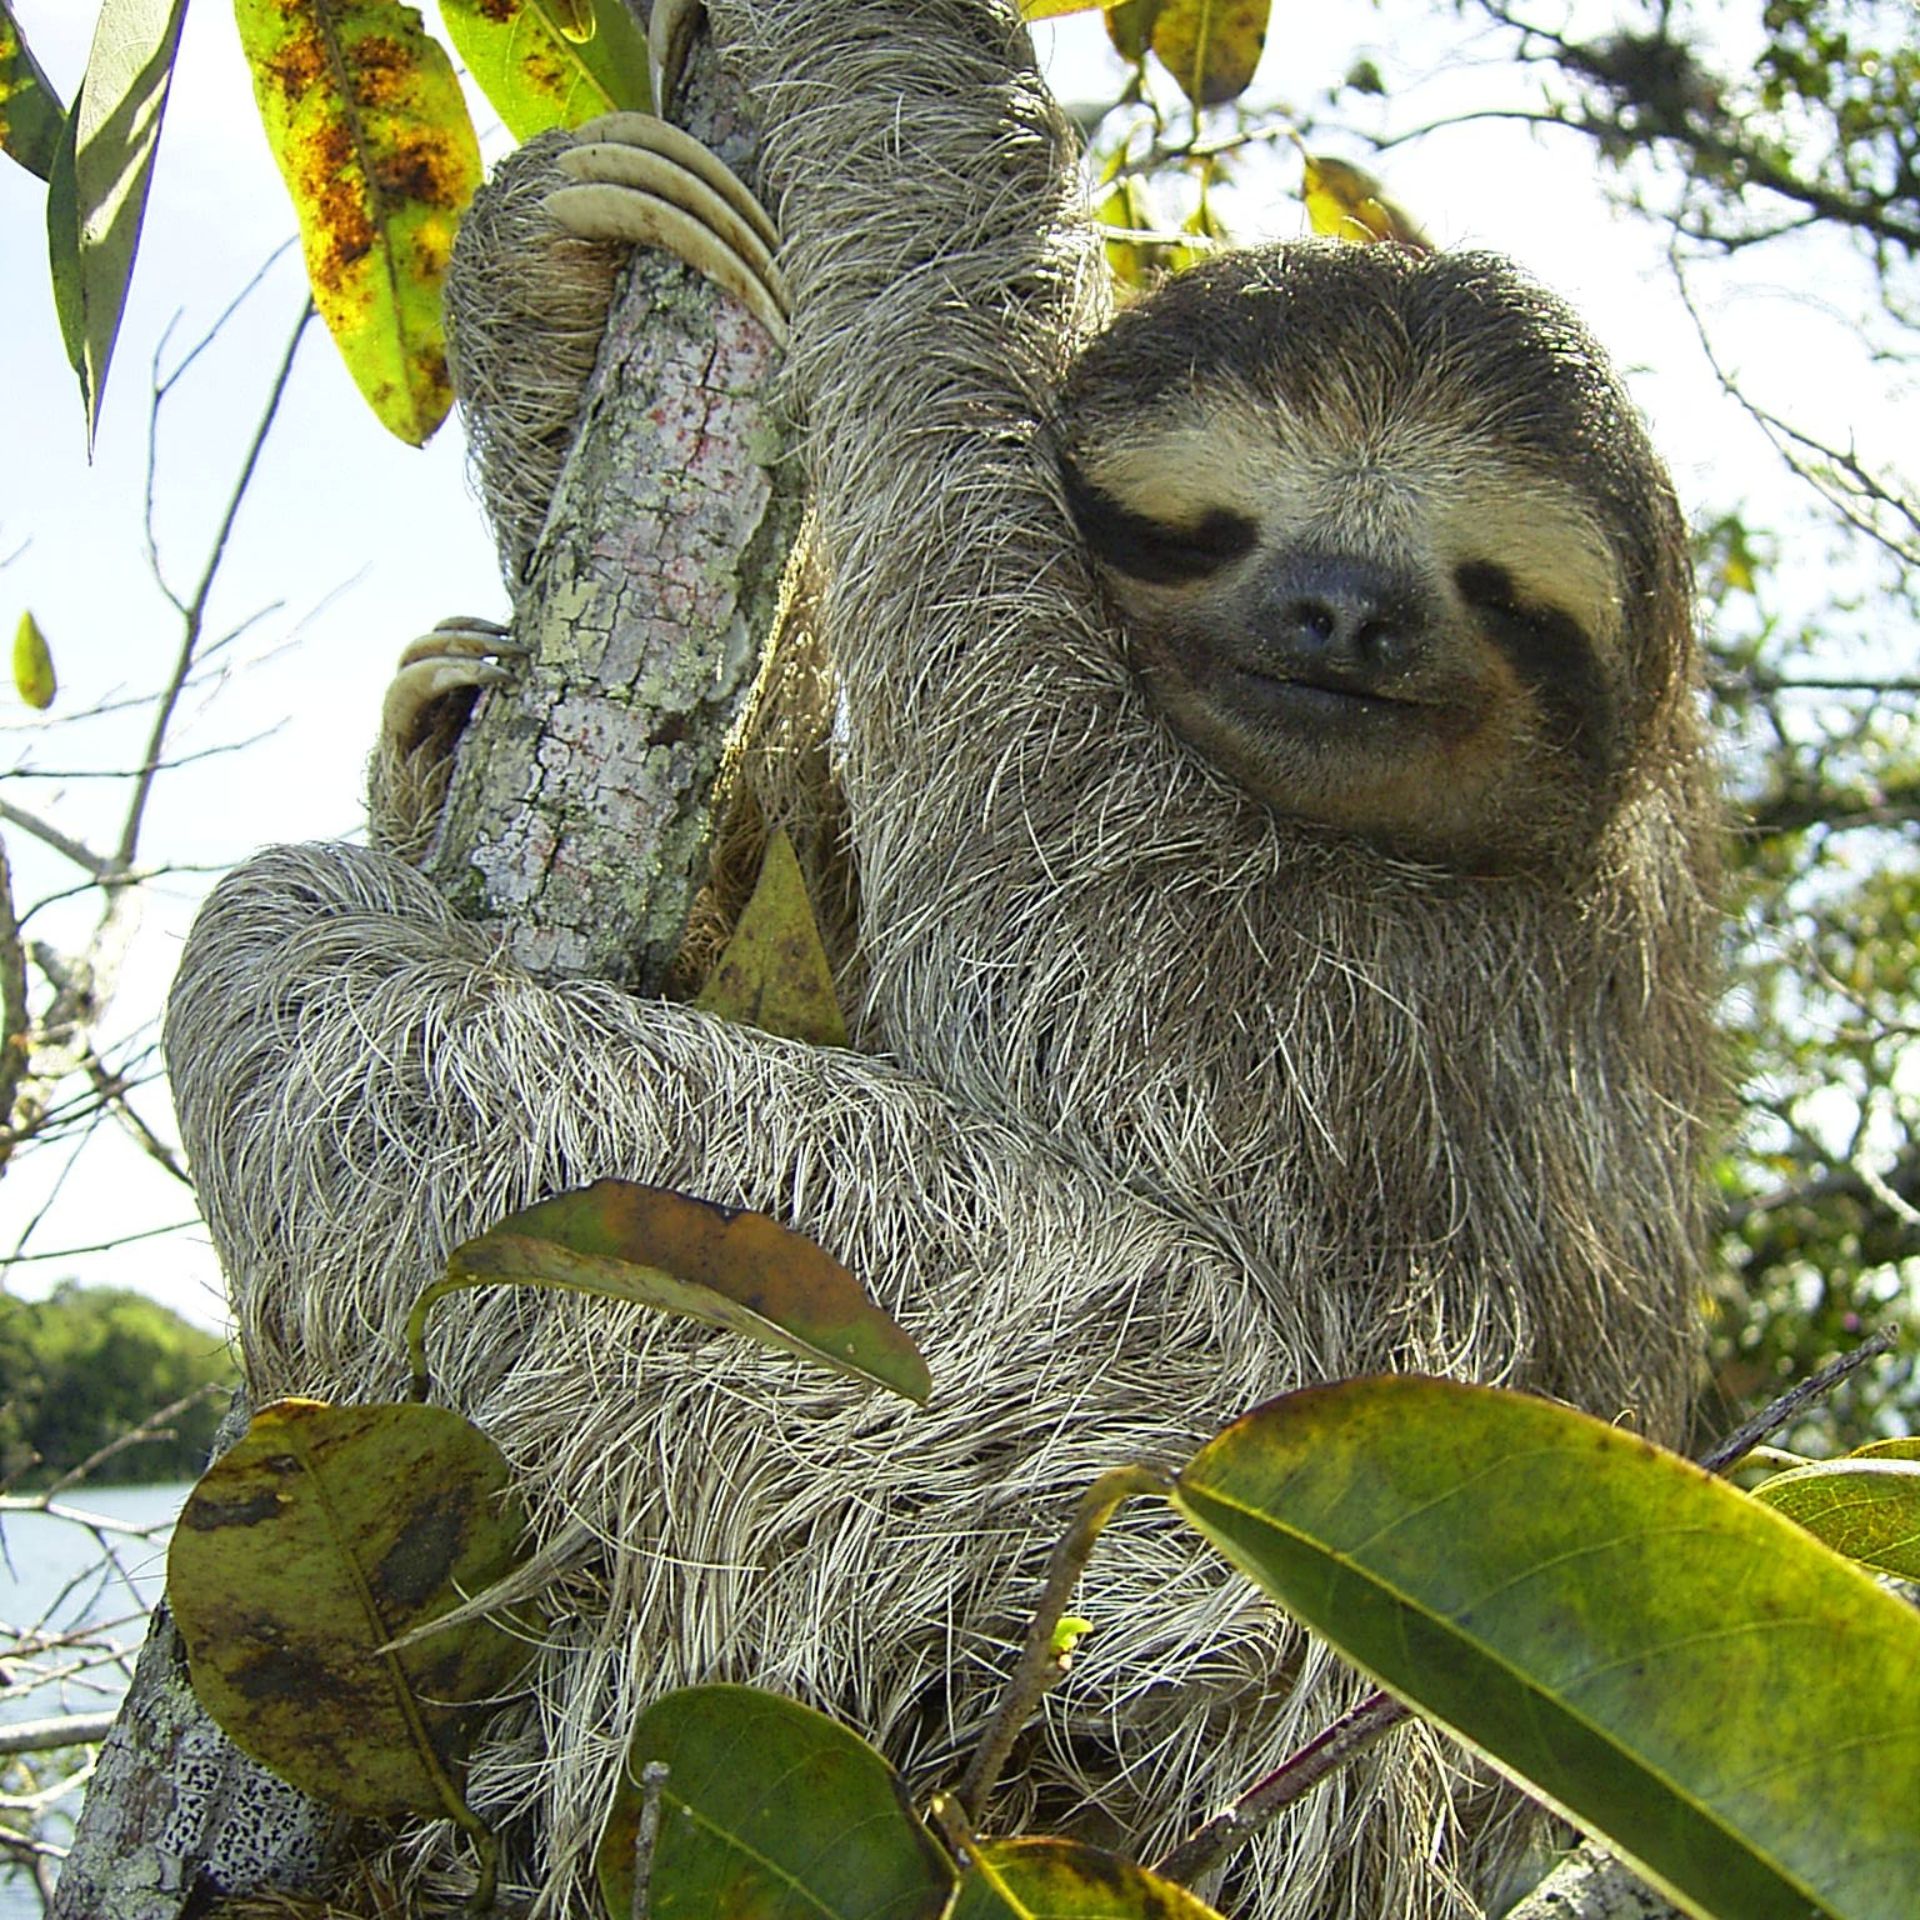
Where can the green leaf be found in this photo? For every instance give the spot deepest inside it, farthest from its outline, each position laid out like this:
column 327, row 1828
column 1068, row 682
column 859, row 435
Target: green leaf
column 1732, row 1707
column 1868, row 1509
column 33, row 675
column 323, row 1536
column 371, row 135
column 539, row 71
column 1063, row 1880
column 1211, row 47
column 31, row 116
column 774, row 974
column 769, row 1809
column 97, row 186
column 739, row 1271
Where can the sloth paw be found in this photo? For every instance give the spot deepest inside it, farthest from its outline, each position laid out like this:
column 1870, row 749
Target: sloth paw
column 427, row 706
column 645, row 183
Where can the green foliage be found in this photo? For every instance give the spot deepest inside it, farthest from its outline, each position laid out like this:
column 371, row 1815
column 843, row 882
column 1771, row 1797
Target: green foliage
column 1513, row 1569
column 81, row 1368
column 101, row 172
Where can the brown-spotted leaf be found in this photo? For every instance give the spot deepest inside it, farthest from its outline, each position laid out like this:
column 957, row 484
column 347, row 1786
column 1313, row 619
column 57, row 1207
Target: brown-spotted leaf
column 773, row 973
column 367, row 124
column 1211, row 47
column 33, row 675
column 323, row 1536
column 1047, row 1879
column 1346, row 202
column 739, row 1271
column 97, row 186
column 31, row 115
column 543, row 65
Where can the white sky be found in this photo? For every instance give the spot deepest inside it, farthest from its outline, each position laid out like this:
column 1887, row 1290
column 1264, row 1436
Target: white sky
column 350, row 543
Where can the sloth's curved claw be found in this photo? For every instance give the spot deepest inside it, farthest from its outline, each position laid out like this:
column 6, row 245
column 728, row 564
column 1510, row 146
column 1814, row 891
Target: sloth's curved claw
column 671, row 25
column 460, row 657
column 427, row 706
column 645, row 183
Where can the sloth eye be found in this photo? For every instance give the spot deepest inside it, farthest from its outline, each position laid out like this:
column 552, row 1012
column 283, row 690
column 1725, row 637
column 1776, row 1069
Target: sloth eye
column 1552, row 654
column 1151, row 550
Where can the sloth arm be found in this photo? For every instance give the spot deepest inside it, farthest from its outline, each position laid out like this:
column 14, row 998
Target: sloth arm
column 361, row 1081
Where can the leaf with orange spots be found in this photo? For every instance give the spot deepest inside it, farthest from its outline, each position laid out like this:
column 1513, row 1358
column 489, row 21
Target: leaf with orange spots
column 324, row 1536
column 102, row 167
column 720, row 1265
column 366, row 121
column 31, row 115
column 1211, row 47
column 539, row 70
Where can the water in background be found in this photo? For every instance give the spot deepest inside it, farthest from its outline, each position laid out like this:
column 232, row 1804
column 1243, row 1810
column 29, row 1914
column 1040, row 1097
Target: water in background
column 53, row 1580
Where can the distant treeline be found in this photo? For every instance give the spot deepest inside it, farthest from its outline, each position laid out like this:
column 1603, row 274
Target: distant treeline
column 88, row 1364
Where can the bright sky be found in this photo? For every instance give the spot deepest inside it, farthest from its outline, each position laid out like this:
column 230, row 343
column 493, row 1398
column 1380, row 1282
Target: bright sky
column 350, row 543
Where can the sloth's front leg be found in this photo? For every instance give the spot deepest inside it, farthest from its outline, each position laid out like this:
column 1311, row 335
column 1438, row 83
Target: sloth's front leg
column 631, row 180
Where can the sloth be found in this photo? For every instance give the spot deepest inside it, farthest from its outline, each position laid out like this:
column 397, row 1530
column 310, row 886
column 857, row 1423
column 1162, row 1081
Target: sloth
column 1268, row 734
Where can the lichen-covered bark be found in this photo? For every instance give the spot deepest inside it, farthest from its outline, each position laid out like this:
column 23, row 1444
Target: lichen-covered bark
column 578, row 817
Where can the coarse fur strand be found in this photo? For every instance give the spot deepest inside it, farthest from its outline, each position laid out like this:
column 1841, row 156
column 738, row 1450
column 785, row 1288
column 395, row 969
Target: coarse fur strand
column 1164, row 1102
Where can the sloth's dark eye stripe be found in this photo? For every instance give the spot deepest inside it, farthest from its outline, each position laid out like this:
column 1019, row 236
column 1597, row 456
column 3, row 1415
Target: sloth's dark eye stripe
column 1150, row 550
column 1550, row 651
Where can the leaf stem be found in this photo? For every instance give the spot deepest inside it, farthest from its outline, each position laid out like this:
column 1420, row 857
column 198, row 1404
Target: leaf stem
column 1816, row 1387
column 1325, row 1753
column 1040, row 1664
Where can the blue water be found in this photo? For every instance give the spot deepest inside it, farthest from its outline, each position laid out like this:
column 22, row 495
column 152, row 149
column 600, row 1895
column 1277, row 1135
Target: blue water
column 57, row 1581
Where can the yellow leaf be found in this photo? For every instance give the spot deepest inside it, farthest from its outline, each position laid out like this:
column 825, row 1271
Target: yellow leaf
column 33, row 675
column 1211, row 47
column 1135, row 262
column 367, row 124
column 773, row 973
column 1348, row 203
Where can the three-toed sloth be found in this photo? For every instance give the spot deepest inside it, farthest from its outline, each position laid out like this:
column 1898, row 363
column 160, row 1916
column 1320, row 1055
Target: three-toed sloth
column 1284, row 839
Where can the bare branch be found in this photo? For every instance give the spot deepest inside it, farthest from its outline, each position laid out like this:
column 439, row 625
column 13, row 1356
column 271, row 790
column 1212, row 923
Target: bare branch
column 64, row 844
column 194, row 611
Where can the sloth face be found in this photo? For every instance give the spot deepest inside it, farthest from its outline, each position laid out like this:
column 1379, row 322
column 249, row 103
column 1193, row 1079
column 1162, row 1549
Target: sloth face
column 1388, row 546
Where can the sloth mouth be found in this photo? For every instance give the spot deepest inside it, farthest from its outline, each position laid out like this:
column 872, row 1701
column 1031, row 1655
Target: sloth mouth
column 1325, row 699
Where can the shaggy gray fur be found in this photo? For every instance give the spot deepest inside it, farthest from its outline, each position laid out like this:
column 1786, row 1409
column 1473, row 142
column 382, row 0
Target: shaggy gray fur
column 1164, row 1104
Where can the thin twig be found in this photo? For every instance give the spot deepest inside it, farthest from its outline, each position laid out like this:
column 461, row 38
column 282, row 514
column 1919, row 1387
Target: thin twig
column 1040, row 1661
column 194, row 612
column 1298, row 1774
column 653, row 1778
column 1816, row 1387
column 64, row 844
column 156, row 1426
column 16, row 1018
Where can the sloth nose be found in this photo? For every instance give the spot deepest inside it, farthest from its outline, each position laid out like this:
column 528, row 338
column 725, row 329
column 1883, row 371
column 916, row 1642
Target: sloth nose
column 1340, row 619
